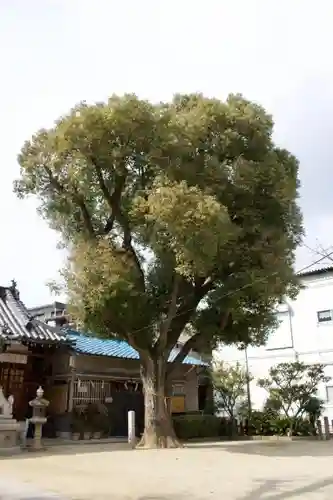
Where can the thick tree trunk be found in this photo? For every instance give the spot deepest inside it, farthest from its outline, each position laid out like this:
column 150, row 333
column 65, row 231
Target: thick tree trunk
column 158, row 430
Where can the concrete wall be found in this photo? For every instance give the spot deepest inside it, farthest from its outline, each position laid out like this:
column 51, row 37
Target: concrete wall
column 105, row 365
column 300, row 336
column 191, row 390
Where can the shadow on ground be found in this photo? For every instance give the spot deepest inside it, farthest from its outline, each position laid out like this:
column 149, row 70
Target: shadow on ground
column 275, row 448
column 164, row 497
column 270, row 489
column 66, row 450
column 259, row 448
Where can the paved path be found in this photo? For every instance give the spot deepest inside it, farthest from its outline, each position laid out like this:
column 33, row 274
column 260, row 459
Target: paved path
column 233, row 471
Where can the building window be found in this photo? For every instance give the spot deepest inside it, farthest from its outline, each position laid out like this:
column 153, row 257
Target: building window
column 178, row 390
column 324, row 316
column 329, row 393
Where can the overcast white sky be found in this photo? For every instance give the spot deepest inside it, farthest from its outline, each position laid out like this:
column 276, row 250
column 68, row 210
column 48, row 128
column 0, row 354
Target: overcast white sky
column 57, row 52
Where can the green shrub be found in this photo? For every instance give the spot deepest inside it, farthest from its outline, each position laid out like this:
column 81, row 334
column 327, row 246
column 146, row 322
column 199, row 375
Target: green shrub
column 77, row 421
column 228, row 428
column 304, row 428
column 263, row 423
column 196, row 426
column 259, row 423
column 267, row 423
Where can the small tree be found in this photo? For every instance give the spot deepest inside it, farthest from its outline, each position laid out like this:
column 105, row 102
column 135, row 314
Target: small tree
column 272, row 405
column 292, row 385
column 243, row 409
column 314, row 408
column 229, row 383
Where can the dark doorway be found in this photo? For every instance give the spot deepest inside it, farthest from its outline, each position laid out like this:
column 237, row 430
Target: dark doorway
column 122, row 403
column 206, row 398
column 202, row 396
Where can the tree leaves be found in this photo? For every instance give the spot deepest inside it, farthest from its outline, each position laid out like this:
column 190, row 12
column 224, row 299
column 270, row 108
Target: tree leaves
column 193, row 192
column 293, row 385
column 185, row 220
column 229, row 383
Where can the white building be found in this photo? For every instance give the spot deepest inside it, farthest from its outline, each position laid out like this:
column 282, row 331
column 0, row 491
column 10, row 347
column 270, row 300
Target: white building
column 305, row 334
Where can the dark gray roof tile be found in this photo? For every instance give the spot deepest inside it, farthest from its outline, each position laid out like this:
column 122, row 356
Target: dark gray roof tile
column 16, row 323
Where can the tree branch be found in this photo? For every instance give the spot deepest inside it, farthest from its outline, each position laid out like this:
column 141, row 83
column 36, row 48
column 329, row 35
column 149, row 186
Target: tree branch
column 172, row 310
column 186, row 310
column 144, row 353
column 113, row 201
column 190, row 344
column 85, row 214
column 127, row 245
column 187, row 347
column 78, row 198
column 225, row 318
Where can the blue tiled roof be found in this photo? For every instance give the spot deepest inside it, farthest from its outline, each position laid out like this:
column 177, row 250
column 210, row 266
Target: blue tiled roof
column 85, row 344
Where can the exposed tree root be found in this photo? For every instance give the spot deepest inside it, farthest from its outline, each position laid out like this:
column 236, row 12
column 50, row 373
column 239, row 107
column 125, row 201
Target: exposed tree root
column 151, row 440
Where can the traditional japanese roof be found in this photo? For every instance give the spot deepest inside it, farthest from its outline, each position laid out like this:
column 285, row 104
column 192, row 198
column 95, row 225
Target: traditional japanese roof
column 84, row 344
column 16, row 323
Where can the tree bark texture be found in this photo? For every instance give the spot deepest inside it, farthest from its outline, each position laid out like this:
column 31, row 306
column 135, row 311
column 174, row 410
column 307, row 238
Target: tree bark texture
column 158, row 427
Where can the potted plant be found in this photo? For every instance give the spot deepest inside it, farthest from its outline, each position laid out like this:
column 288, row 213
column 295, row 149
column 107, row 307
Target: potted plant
column 77, row 424
column 97, row 433
column 98, row 418
column 89, row 420
column 87, row 428
column 101, row 425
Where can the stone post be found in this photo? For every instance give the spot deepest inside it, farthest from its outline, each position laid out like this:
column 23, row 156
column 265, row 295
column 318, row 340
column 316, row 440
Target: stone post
column 131, row 428
column 319, row 429
column 327, row 428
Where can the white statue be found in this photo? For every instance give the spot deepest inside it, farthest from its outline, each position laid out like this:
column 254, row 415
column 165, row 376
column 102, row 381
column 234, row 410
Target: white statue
column 6, row 406
column 11, row 403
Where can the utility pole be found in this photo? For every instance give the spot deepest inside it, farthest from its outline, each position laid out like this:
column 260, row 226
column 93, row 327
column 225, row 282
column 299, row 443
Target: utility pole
column 248, row 389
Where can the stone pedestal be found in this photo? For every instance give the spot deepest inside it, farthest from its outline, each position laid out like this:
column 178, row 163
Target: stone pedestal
column 9, row 432
column 37, row 441
column 9, row 427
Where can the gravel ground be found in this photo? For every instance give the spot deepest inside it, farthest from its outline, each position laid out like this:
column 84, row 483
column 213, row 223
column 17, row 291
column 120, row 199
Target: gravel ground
column 13, row 490
column 243, row 471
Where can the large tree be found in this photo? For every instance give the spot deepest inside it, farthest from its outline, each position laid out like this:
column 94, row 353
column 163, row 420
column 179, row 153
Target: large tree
column 180, row 214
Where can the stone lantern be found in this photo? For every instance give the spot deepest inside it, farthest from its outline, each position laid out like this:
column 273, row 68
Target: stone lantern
column 39, row 405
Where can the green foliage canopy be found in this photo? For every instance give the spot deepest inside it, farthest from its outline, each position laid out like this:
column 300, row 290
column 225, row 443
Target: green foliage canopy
column 174, row 214
column 293, row 387
column 229, row 383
